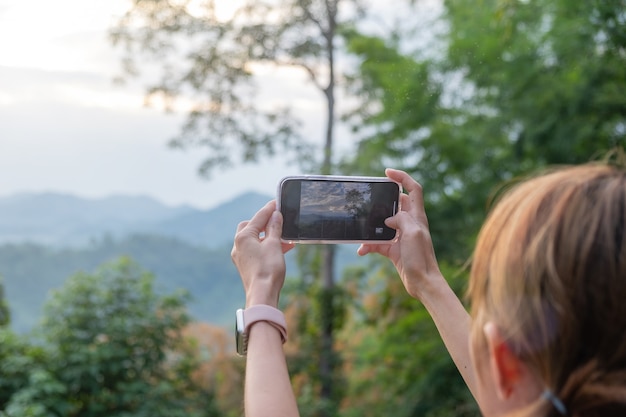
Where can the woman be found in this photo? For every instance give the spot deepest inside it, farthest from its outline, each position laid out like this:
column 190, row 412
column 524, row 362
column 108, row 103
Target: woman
column 547, row 331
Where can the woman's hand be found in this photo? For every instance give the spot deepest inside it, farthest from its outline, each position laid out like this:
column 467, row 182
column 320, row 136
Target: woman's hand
column 258, row 254
column 412, row 254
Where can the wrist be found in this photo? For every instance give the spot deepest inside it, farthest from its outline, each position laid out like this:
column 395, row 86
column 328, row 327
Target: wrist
column 262, row 292
column 428, row 287
column 252, row 317
column 260, row 300
column 436, row 290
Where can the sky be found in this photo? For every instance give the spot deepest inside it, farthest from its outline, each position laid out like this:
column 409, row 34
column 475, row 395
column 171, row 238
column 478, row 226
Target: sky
column 65, row 126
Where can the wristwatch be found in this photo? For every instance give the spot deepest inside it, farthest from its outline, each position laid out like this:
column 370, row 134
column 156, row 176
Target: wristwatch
column 246, row 318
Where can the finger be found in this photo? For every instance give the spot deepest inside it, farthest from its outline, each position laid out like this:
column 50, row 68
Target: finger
column 275, row 230
column 405, row 202
column 274, row 227
column 414, row 191
column 407, row 182
column 242, row 225
column 259, row 221
column 404, row 221
column 365, row 249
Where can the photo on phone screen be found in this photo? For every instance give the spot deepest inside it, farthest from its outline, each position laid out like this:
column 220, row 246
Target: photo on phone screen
column 337, row 209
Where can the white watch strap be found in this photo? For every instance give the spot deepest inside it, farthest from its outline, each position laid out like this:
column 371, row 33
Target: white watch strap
column 262, row 312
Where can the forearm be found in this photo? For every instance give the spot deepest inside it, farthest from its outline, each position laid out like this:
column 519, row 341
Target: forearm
column 453, row 323
column 268, row 391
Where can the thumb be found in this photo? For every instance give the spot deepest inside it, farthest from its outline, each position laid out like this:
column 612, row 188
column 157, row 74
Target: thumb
column 393, row 222
column 400, row 221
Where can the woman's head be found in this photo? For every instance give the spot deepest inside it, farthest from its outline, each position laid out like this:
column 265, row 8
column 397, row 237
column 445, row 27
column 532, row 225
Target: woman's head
column 549, row 270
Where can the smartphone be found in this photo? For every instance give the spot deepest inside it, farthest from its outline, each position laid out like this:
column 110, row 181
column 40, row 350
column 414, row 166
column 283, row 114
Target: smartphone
column 337, row 209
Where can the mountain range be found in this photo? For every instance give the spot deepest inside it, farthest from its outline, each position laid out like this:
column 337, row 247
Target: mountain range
column 47, row 237
column 63, row 220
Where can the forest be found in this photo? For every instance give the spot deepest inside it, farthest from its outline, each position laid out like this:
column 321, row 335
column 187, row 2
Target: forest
column 499, row 90
column 31, row 271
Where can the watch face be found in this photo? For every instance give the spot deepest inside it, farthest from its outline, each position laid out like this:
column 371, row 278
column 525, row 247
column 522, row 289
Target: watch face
column 239, row 333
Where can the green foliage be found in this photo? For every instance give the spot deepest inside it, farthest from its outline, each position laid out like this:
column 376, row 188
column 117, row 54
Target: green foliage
column 406, row 127
column 521, row 85
column 400, row 366
column 31, row 271
column 553, row 72
column 316, row 367
column 113, row 347
column 43, row 396
column 518, row 85
column 18, row 358
column 5, row 313
column 216, row 74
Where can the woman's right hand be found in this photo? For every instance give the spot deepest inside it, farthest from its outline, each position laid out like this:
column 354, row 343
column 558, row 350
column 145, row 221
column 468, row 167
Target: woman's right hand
column 414, row 258
column 412, row 254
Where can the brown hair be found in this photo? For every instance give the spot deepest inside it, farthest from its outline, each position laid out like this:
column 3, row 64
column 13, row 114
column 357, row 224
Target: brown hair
column 550, row 270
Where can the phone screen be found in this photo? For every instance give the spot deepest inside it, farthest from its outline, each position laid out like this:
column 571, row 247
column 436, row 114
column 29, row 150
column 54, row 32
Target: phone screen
column 332, row 209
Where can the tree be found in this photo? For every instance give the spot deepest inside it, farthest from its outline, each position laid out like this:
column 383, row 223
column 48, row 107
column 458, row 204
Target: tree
column 5, row 313
column 397, row 363
column 520, row 85
column 114, row 348
column 569, row 101
column 220, row 370
column 404, row 124
column 18, row 358
column 210, row 59
column 355, row 203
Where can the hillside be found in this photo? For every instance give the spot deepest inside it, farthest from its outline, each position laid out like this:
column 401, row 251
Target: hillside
column 31, row 271
column 46, row 238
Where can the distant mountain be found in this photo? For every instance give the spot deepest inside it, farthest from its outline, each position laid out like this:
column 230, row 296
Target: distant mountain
column 66, row 220
column 210, row 228
column 45, row 238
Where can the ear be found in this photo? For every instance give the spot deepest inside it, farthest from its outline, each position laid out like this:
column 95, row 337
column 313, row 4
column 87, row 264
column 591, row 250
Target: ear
column 506, row 368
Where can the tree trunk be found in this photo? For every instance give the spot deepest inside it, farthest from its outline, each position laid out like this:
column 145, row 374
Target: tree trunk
column 327, row 355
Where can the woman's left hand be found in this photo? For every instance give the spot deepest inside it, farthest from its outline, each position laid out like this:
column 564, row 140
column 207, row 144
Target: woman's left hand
column 258, row 254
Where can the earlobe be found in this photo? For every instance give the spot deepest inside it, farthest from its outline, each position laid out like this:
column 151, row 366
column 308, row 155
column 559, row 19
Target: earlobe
column 505, row 367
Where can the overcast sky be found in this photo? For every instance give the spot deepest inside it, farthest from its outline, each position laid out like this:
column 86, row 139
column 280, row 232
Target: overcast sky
column 66, row 127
